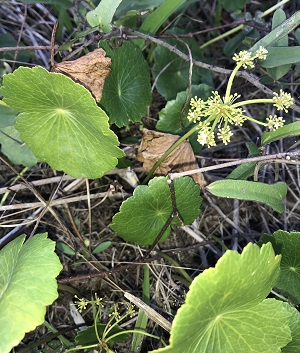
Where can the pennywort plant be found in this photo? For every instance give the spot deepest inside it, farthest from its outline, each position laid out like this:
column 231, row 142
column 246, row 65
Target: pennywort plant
column 104, row 336
column 61, row 124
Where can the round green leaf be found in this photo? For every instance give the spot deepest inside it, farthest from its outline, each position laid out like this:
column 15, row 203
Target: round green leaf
column 61, row 122
column 143, row 216
column 288, row 246
column 27, row 285
column 127, row 91
column 225, row 310
column 294, row 344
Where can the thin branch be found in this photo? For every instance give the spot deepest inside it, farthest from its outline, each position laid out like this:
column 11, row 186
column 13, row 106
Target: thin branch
column 275, row 158
column 30, row 47
column 253, row 79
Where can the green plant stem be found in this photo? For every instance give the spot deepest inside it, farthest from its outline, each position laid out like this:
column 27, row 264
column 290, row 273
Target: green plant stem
column 253, row 101
column 168, row 152
column 176, row 264
column 131, row 331
column 95, row 324
column 240, row 27
column 230, row 81
column 81, row 347
column 224, row 35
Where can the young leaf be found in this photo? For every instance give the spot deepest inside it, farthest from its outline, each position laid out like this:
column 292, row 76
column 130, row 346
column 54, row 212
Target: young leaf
column 64, row 248
column 271, row 195
column 61, row 122
column 225, row 310
column 102, row 247
column 292, row 129
column 160, row 15
column 144, row 215
column 14, row 149
column 279, row 69
column 127, row 91
column 278, row 33
column 288, row 245
column 103, row 14
column 27, row 285
column 244, row 171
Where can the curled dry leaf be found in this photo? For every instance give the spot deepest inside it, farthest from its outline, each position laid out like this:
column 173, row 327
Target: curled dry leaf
column 90, row 70
column 154, row 144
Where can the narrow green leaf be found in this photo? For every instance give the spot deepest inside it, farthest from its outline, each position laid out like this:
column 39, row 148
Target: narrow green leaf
column 128, row 5
column 103, row 14
column 143, row 216
column 127, row 91
column 226, row 311
column 64, row 248
column 271, row 195
column 244, row 171
column 61, row 122
column 278, row 33
column 14, row 149
column 27, row 286
column 160, row 15
column 142, row 320
column 278, row 71
column 102, row 247
column 292, row 129
column 278, row 56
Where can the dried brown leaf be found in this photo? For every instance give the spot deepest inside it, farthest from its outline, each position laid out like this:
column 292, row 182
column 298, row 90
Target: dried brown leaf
column 154, row 144
column 90, row 70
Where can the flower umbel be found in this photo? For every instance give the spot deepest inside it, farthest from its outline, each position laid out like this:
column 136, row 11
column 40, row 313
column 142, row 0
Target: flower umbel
column 282, row 101
column 219, row 113
column 275, row 122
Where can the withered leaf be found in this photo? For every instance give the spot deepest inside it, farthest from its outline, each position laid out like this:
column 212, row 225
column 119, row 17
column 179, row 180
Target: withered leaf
column 90, row 70
column 154, row 144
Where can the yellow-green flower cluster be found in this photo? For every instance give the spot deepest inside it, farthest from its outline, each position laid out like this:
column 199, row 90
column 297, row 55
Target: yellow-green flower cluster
column 219, row 113
column 246, row 59
column 82, row 303
column 282, row 101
